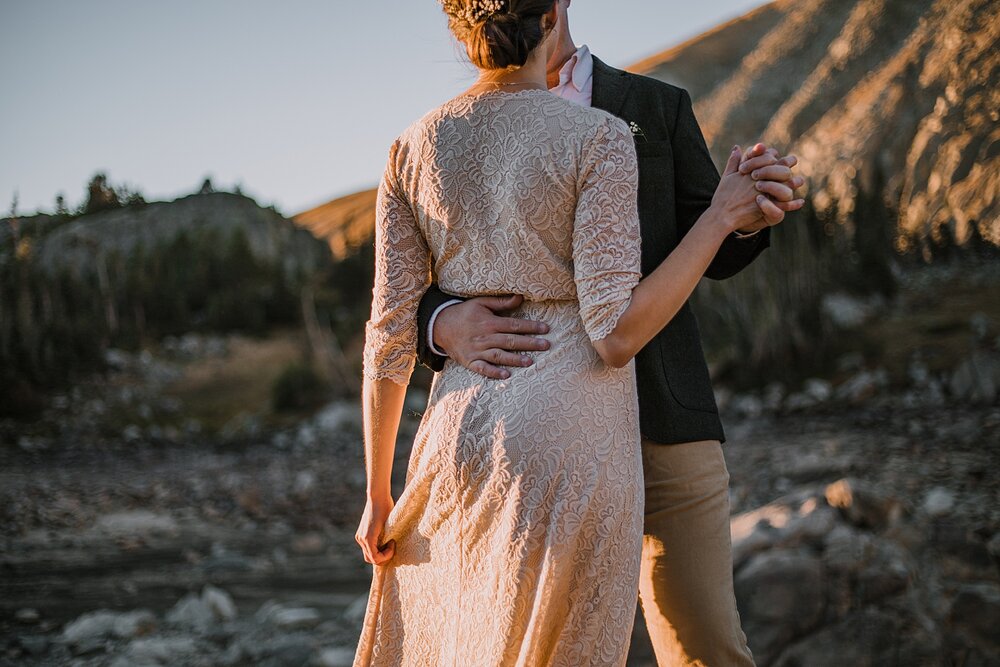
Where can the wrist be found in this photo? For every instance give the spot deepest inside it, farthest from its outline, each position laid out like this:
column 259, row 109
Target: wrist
column 720, row 221
column 434, row 342
column 378, row 495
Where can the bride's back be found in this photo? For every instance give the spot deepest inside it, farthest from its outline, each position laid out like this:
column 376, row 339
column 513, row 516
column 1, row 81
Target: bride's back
column 493, row 180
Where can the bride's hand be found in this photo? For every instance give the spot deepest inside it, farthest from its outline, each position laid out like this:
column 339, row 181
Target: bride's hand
column 740, row 199
column 370, row 531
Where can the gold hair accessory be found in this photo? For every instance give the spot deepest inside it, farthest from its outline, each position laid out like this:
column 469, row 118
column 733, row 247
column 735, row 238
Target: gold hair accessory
column 476, row 11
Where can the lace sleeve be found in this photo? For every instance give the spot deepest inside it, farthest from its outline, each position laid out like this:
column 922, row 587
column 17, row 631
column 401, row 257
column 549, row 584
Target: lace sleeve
column 402, row 275
column 606, row 241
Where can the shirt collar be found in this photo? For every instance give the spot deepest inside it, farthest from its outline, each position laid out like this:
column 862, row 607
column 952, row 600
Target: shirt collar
column 579, row 68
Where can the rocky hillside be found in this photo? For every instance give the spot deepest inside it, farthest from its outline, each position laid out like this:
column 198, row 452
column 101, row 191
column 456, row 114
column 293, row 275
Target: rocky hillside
column 270, row 236
column 345, row 223
column 891, row 104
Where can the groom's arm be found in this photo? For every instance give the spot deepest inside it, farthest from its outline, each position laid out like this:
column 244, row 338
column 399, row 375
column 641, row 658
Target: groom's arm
column 695, row 181
column 433, row 299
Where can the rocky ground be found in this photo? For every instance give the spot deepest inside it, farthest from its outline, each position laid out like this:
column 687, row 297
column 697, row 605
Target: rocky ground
column 866, row 522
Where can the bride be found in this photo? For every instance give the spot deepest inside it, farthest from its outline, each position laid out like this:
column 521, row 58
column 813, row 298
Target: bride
column 518, row 535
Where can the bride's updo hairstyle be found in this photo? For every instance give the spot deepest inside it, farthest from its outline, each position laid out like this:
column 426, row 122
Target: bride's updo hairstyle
column 498, row 34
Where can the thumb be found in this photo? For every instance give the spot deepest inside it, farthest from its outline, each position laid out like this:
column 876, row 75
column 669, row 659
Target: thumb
column 500, row 303
column 733, row 165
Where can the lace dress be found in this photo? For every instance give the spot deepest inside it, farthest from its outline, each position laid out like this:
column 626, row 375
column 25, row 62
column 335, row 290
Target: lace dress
column 519, row 529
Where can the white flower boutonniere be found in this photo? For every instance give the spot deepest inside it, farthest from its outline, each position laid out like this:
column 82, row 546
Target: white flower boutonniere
column 637, row 132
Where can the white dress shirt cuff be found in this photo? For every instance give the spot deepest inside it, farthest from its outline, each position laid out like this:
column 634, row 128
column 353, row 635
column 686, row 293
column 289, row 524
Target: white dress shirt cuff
column 430, row 326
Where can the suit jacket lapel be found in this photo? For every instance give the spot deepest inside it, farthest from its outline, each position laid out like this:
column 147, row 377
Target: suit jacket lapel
column 610, row 87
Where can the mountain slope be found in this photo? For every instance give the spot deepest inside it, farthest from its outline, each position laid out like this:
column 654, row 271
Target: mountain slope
column 891, row 104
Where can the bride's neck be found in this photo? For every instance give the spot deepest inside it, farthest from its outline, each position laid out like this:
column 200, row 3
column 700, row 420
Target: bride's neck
column 531, row 74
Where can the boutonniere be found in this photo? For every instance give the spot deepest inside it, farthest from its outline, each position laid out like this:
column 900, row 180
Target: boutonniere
column 637, row 132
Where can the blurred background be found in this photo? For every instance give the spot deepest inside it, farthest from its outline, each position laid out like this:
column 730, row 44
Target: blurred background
column 186, row 266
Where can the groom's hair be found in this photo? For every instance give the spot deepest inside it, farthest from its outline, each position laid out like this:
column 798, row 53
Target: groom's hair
column 499, row 39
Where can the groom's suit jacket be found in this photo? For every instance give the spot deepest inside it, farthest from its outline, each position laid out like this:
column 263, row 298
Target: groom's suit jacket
column 677, row 180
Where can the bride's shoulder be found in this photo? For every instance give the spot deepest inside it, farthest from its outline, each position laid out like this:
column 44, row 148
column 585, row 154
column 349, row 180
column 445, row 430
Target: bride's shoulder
column 597, row 124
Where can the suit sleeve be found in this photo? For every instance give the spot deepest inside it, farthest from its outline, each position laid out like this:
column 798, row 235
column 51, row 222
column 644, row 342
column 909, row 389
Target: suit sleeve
column 696, row 179
column 430, row 302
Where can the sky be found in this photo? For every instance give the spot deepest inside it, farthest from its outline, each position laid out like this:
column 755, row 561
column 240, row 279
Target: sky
column 297, row 101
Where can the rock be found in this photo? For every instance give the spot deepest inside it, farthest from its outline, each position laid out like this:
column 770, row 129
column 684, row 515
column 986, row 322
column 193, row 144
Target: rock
column 867, row 638
column 975, row 611
column 786, row 522
column 862, row 504
column 103, row 624
column 747, row 405
column 774, row 394
column 291, row 651
column 157, row 651
column 846, row 311
column 888, row 573
column 799, row 401
column 938, row 502
column 862, row 386
column 27, row 615
column 846, row 549
column 295, row 618
column 781, row 596
column 341, row 415
column 34, row 644
column 219, row 602
column 976, row 379
column 818, row 389
column 808, row 466
column 191, row 612
column 335, row 657
column 134, row 623
column 305, row 482
column 134, row 522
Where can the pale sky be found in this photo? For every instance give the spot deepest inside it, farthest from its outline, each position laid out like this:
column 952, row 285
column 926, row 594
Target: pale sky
column 298, row 101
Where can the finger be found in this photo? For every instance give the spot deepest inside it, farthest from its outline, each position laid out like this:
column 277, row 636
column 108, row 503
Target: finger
column 500, row 303
column 734, row 161
column 517, row 325
column 793, row 205
column 498, row 357
column 372, row 549
column 778, row 191
column 774, row 172
column 488, row 370
column 364, row 548
column 789, row 161
column 756, row 150
column 757, row 162
column 385, row 553
column 772, row 214
column 515, row 343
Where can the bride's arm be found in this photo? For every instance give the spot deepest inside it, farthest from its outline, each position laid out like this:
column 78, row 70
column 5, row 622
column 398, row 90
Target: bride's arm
column 661, row 294
column 402, row 275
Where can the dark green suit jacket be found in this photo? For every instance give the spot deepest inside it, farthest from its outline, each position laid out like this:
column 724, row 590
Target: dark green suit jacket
column 677, row 179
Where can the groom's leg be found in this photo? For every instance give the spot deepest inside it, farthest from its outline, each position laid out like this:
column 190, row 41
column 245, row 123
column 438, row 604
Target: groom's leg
column 686, row 584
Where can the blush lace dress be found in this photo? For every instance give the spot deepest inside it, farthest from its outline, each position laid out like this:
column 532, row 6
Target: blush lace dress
column 519, row 529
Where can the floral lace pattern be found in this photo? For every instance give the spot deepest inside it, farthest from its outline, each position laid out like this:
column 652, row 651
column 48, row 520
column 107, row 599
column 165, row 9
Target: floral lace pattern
column 519, row 530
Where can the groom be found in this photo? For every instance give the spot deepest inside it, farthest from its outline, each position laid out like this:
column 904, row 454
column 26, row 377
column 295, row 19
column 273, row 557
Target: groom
column 686, row 585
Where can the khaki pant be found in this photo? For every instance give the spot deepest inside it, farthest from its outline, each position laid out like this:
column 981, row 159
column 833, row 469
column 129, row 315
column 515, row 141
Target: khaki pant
column 686, row 585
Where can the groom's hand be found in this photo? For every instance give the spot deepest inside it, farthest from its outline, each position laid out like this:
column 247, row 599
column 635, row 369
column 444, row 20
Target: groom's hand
column 475, row 335
column 775, row 180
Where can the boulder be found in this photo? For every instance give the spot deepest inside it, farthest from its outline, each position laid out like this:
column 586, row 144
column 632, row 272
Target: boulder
column 862, row 504
column 781, row 596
